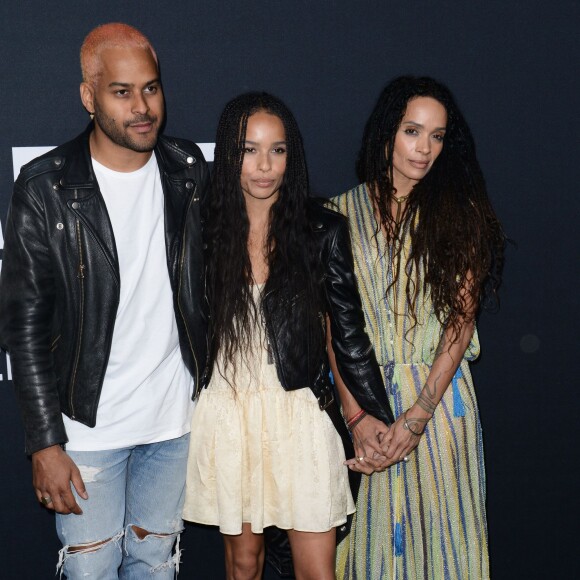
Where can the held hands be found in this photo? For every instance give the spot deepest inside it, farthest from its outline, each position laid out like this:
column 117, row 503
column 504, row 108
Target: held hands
column 52, row 473
column 378, row 446
column 404, row 434
column 367, row 435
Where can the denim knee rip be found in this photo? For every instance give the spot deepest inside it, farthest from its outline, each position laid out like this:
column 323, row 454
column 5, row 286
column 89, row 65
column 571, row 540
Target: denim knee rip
column 86, row 548
column 172, row 562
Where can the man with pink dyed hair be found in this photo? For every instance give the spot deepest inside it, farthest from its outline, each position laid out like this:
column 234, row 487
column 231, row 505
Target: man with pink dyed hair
column 102, row 311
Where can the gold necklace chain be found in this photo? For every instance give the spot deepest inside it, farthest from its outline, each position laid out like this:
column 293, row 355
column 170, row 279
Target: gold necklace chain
column 399, row 201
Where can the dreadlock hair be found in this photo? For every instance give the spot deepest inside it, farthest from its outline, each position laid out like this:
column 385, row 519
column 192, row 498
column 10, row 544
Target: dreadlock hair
column 290, row 252
column 455, row 234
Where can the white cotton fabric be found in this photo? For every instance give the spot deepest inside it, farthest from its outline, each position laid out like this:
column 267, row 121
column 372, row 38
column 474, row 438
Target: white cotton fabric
column 262, row 455
column 146, row 395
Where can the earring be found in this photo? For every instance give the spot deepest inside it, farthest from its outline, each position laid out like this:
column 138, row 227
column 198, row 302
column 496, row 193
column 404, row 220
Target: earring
column 92, row 116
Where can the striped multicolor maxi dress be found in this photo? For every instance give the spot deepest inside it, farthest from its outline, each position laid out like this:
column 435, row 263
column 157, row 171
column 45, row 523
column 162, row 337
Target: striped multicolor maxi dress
column 424, row 519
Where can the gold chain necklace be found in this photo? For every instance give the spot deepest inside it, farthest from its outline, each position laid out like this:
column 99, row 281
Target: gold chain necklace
column 399, row 201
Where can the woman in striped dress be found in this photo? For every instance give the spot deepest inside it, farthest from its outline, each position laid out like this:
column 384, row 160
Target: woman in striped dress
column 428, row 249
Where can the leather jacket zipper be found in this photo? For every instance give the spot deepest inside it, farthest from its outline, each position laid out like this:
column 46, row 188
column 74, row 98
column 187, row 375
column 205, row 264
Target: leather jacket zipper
column 181, row 261
column 80, row 276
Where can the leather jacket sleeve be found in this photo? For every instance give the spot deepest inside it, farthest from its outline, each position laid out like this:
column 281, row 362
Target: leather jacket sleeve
column 355, row 356
column 27, row 296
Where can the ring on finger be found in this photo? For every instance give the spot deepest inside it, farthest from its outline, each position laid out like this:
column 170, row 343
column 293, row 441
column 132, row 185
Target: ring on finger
column 45, row 500
column 361, row 459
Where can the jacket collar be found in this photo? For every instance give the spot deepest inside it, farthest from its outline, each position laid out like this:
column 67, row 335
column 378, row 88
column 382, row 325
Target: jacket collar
column 171, row 157
column 78, row 168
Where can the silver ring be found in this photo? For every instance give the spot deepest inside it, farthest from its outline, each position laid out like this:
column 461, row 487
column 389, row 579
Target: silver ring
column 405, row 459
column 45, row 500
column 361, row 458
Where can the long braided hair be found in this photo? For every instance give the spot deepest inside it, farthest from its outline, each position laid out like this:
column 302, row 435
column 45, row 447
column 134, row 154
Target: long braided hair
column 290, row 251
column 455, row 235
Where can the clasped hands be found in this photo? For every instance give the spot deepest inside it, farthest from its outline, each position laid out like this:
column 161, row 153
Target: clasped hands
column 377, row 446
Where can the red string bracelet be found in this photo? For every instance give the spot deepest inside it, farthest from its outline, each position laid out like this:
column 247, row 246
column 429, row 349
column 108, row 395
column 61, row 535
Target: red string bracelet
column 356, row 419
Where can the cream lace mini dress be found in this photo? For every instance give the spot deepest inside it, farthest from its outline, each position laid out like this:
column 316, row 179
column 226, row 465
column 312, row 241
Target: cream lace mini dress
column 263, row 455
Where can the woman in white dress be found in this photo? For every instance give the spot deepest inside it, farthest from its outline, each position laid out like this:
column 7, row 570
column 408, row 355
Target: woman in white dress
column 266, row 446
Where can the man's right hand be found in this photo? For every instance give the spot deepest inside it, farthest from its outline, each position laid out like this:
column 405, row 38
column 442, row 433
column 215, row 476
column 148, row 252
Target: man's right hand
column 52, row 473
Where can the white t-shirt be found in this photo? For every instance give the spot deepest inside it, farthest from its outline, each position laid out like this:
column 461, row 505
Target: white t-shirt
column 146, row 395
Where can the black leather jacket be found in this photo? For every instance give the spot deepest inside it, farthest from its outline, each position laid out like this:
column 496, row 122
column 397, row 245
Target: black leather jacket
column 355, row 356
column 59, row 287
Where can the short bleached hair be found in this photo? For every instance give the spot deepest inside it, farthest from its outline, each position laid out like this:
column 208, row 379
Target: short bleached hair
column 112, row 35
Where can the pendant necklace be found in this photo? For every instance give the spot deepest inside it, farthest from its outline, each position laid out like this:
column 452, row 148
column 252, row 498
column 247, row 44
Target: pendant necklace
column 399, row 201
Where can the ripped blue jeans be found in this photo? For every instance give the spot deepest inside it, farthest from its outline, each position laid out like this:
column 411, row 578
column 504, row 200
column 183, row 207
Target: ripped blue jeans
column 140, row 486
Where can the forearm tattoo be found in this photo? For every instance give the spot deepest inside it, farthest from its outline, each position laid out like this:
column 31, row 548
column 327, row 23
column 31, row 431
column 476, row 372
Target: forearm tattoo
column 427, row 399
column 432, row 392
column 425, row 403
column 440, row 347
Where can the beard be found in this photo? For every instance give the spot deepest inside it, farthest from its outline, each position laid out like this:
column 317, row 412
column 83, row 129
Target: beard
column 118, row 134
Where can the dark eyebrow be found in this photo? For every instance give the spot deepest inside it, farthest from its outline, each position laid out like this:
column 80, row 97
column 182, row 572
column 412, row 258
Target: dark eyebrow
column 129, row 85
column 247, row 141
column 422, row 126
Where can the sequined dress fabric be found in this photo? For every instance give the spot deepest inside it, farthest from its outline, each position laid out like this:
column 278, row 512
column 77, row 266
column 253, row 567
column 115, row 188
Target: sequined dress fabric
column 263, row 455
column 424, row 519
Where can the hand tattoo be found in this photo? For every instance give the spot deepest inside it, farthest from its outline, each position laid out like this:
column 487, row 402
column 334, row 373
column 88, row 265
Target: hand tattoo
column 415, row 425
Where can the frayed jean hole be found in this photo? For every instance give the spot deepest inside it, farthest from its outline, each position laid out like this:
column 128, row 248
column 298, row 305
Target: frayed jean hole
column 160, row 535
column 89, row 473
column 173, row 561
column 85, row 548
column 88, row 547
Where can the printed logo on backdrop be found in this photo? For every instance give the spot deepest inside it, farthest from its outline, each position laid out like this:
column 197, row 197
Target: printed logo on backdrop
column 21, row 156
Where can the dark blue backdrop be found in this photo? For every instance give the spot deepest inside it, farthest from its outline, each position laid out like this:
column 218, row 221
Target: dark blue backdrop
column 511, row 66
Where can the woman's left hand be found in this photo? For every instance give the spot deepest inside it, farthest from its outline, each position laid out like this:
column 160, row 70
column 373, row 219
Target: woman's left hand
column 399, row 442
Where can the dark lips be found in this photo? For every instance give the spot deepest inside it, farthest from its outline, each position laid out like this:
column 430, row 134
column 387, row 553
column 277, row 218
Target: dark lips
column 142, row 127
